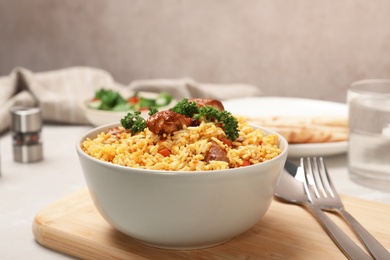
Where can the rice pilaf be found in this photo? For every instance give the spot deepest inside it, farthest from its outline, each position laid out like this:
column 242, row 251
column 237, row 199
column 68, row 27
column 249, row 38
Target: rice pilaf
column 188, row 148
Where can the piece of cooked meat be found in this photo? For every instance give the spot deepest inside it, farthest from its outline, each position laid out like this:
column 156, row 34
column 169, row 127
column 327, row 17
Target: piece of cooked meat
column 167, row 122
column 115, row 131
column 216, row 153
column 201, row 102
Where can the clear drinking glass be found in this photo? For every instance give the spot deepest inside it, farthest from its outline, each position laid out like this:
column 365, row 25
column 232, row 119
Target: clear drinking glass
column 369, row 126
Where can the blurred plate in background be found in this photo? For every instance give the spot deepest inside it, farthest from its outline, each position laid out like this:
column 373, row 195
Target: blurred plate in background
column 293, row 107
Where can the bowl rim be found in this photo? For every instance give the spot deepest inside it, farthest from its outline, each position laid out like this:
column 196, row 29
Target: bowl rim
column 282, row 141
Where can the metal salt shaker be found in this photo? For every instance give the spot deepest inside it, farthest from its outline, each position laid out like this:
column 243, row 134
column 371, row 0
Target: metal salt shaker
column 26, row 125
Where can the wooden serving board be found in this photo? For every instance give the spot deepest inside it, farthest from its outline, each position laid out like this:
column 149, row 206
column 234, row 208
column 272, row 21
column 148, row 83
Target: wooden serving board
column 73, row 226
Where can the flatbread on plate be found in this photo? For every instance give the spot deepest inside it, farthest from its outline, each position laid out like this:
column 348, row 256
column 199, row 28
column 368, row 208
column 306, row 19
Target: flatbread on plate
column 306, row 129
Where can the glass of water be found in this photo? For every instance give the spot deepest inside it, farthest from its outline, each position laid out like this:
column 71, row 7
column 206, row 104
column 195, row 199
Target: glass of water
column 369, row 126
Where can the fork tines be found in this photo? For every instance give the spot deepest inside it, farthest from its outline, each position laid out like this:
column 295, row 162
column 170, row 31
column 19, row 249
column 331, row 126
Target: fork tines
column 318, row 177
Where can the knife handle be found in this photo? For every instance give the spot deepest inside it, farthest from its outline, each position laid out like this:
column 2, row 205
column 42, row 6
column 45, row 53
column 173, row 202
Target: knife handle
column 350, row 249
column 373, row 246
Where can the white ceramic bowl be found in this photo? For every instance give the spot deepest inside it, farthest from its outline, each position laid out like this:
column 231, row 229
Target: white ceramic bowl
column 102, row 117
column 181, row 210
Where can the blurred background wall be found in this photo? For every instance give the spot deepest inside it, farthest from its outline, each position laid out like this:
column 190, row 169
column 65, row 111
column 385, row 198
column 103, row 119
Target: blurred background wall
column 303, row 48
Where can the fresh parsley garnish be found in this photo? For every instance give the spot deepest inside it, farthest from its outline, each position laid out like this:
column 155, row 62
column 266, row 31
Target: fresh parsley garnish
column 134, row 122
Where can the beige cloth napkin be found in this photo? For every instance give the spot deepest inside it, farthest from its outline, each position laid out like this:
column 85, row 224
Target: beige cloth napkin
column 59, row 92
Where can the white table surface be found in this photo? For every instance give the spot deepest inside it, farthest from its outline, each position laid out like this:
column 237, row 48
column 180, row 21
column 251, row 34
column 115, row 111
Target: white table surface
column 25, row 189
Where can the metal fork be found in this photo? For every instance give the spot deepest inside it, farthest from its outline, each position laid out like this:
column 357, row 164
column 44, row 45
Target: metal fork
column 324, row 195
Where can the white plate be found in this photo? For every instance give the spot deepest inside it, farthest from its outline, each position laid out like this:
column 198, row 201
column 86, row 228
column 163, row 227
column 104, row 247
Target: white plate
column 284, row 106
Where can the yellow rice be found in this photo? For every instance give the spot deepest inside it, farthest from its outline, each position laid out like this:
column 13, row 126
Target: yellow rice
column 188, row 148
